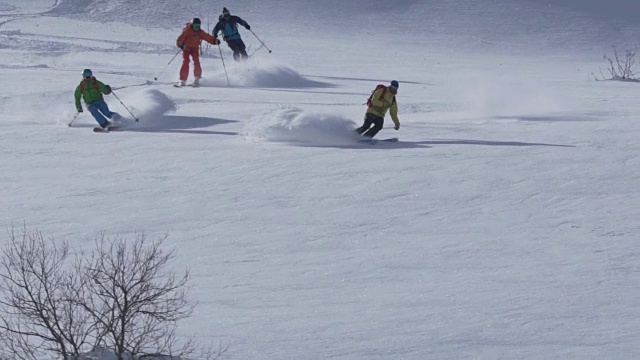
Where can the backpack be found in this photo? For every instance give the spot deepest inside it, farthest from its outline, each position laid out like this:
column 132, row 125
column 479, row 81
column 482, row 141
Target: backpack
column 380, row 86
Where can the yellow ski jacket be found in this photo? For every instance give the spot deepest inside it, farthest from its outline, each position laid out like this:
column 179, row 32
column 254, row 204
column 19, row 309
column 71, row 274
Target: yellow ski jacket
column 382, row 101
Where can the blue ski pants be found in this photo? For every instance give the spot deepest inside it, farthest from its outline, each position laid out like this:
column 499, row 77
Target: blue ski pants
column 99, row 109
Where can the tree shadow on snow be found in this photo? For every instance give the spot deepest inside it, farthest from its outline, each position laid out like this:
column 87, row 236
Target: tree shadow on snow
column 180, row 125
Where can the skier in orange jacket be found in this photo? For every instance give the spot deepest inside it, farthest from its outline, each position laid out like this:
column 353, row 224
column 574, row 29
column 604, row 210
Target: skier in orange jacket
column 189, row 42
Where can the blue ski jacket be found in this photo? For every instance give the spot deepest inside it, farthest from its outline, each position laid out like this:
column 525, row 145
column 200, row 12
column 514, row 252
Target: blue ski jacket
column 229, row 27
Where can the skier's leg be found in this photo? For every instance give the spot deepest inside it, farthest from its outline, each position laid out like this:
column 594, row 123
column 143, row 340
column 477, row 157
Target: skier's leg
column 184, row 70
column 366, row 125
column 377, row 126
column 197, row 69
column 242, row 48
column 233, row 44
column 104, row 108
column 95, row 111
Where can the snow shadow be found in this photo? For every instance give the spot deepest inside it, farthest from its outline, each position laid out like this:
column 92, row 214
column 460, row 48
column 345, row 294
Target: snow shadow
column 383, row 145
column 179, row 125
column 261, row 73
column 550, row 118
column 293, row 126
column 484, row 143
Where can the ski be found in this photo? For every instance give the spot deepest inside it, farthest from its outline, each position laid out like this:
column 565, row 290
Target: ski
column 375, row 141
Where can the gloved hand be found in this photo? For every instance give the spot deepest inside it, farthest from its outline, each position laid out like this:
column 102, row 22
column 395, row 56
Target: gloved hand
column 216, row 41
column 397, row 127
column 181, row 46
column 80, row 110
column 108, row 90
column 248, row 27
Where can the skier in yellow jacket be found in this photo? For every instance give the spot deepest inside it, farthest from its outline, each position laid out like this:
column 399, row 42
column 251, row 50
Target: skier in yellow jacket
column 382, row 99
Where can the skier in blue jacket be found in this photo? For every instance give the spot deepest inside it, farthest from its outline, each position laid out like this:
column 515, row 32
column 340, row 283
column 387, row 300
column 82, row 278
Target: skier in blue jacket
column 228, row 24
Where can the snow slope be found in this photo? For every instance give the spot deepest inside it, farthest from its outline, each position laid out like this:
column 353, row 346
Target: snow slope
column 503, row 224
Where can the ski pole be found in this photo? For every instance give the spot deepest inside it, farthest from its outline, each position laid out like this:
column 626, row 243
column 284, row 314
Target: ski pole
column 224, row 66
column 263, row 44
column 114, row 94
column 74, row 119
column 169, row 63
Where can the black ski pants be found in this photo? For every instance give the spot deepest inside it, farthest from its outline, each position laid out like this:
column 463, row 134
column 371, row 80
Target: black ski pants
column 366, row 129
column 238, row 48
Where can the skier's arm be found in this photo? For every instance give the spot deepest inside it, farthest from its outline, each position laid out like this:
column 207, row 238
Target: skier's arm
column 105, row 89
column 241, row 22
column 393, row 111
column 181, row 39
column 208, row 38
column 217, row 28
column 78, row 95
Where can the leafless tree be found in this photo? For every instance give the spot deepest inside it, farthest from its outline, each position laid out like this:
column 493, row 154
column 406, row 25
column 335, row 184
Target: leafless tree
column 121, row 296
column 135, row 299
column 37, row 311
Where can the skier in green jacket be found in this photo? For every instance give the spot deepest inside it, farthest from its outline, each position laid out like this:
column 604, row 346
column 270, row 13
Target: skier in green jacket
column 91, row 90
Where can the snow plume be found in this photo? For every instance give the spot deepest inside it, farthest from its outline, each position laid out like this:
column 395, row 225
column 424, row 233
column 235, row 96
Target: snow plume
column 292, row 125
column 144, row 104
column 261, row 72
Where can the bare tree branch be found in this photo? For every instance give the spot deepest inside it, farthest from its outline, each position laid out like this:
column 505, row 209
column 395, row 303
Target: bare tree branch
column 622, row 69
column 121, row 296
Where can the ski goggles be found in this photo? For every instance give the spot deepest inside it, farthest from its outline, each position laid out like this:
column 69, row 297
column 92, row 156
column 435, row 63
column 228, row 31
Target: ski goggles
column 196, row 26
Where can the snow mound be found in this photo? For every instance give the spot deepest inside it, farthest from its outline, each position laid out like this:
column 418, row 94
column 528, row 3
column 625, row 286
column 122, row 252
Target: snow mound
column 292, row 125
column 147, row 104
column 261, row 72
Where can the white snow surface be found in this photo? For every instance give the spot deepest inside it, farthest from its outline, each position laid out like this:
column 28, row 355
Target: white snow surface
column 504, row 224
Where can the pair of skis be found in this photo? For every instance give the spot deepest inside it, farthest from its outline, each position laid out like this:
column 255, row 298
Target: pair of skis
column 374, row 141
column 192, row 85
column 106, row 130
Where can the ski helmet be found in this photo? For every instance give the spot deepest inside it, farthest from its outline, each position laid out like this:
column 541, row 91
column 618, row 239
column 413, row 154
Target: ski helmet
column 225, row 12
column 87, row 72
column 394, row 84
column 196, row 21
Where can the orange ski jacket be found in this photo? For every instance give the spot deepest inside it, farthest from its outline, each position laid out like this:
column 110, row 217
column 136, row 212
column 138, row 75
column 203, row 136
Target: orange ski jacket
column 191, row 38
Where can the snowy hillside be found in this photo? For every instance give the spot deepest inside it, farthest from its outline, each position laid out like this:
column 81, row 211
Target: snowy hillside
column 502, row 225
